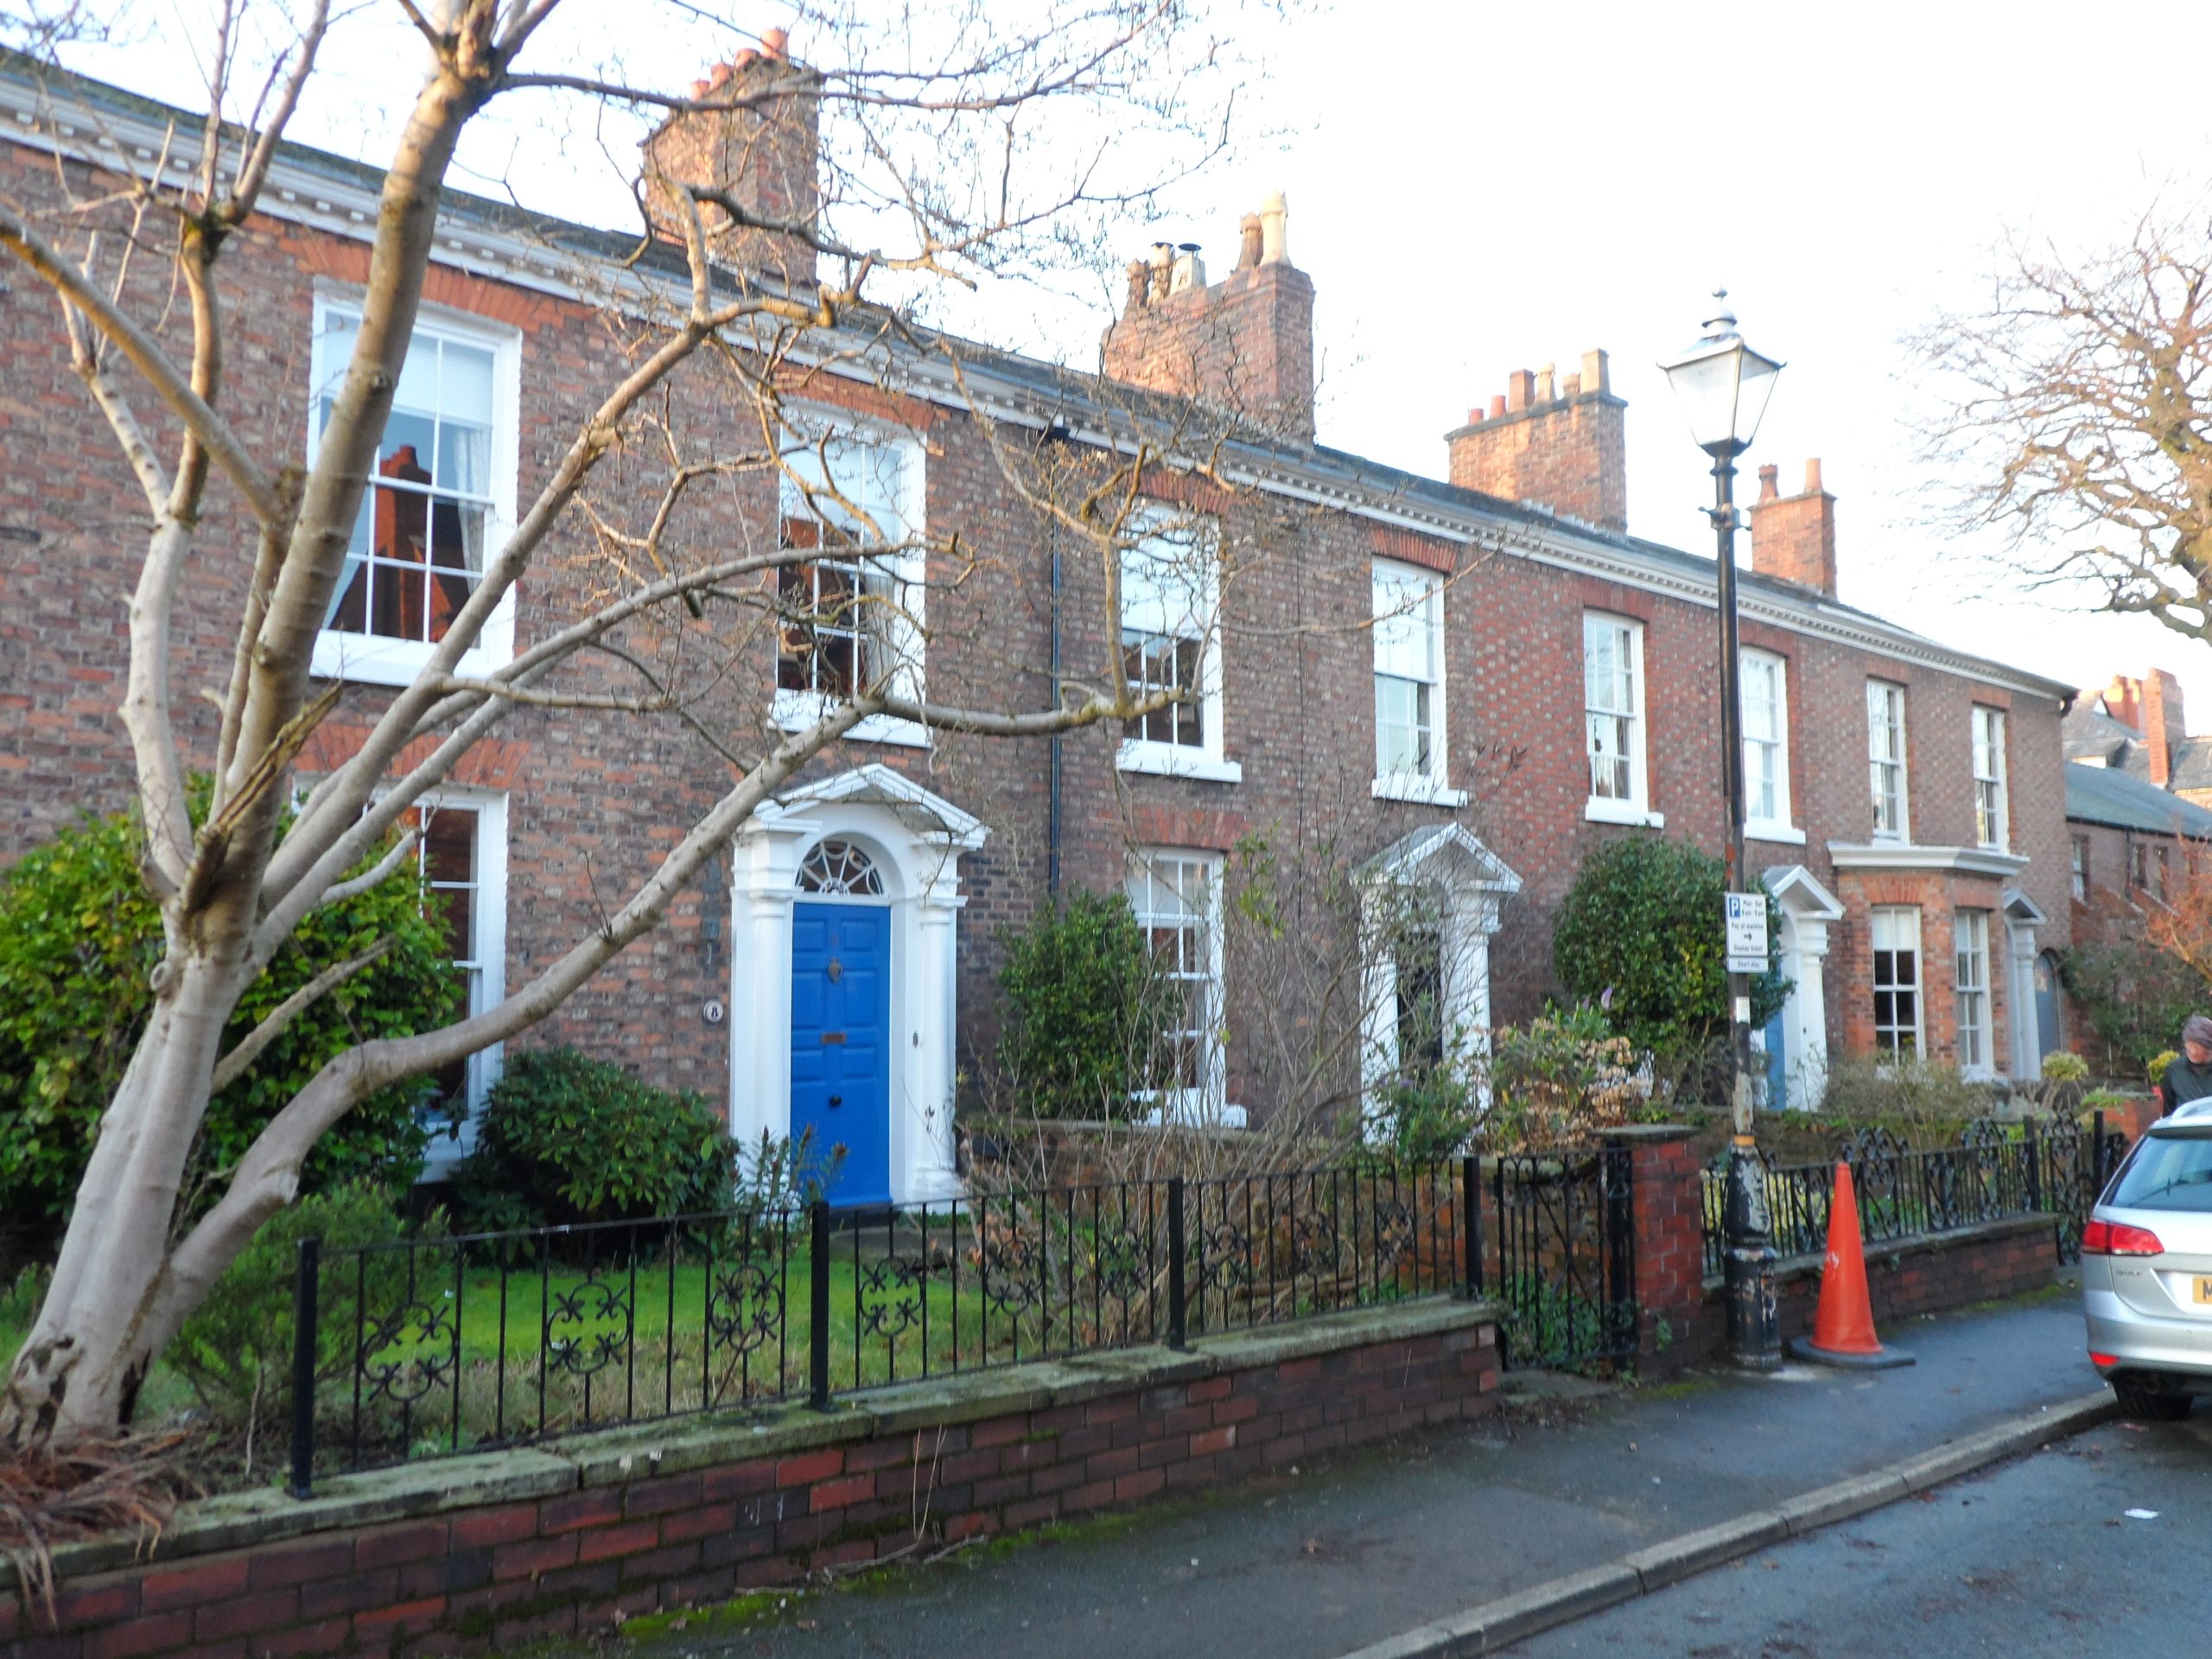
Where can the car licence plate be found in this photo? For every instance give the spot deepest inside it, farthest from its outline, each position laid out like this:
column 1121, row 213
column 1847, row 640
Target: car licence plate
column 2203, row 1290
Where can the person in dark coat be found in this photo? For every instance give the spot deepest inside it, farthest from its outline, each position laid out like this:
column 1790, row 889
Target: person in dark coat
column 2189, row 1077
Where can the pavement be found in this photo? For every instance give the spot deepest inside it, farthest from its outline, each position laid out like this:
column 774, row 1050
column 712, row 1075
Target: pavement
column 1339, row 1556
column 2078, row 1550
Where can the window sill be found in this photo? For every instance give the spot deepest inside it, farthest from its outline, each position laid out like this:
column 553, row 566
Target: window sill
column 1194, row 1113
column 1598, row 809
column 1174, row 761
column 797, row 710
column 370, row 660
column 1412, row 786
column 1781, row 834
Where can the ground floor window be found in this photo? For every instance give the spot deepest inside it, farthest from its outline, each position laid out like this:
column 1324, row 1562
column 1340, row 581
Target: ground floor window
column 461, row 857
column 1970, row 990
column 1174, row 896
column 1896, row 930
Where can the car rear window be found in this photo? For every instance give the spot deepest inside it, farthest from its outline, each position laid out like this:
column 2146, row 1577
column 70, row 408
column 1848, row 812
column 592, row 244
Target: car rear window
column 2166, row 1173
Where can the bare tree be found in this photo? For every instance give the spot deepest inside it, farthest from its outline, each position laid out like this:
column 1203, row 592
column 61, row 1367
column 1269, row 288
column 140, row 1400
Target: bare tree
column 930, row 180
column 2077, row 419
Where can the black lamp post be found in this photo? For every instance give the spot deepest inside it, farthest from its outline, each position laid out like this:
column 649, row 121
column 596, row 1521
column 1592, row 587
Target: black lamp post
column 1724, row 386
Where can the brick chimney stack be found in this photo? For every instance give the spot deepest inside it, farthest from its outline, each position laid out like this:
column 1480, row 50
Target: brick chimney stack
column 1244, row 345
column 1793, row 536
column 1552, row 443
column 763, row 149
column 2152, row 706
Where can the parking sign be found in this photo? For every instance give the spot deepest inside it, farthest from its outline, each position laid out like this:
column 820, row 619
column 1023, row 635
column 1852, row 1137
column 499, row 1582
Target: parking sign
column 1746, row 932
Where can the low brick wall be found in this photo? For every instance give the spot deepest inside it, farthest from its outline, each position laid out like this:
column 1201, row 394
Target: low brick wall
column 1932, row 1275
column 472, row 1553
column 1683, row 1313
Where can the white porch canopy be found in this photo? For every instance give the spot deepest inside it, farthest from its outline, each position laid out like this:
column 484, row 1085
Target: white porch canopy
column 915, row 839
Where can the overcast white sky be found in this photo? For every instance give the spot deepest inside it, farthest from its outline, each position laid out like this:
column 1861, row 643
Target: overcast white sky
column 1479, row 187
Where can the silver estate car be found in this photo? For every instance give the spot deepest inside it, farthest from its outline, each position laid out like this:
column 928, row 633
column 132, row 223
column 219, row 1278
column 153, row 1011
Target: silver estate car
column 2146, row 1269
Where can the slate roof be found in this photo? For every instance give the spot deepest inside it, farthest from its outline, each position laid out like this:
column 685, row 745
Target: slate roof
column 2099, row 795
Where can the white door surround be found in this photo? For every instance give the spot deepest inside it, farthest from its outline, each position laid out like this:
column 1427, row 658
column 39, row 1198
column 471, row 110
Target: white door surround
column 916, row 839
column 1447, row 866
column 1806, row 908
column 2022, row 917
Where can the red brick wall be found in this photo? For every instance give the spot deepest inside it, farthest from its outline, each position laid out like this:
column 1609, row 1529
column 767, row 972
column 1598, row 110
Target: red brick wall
column 484, row 1579
column 596, row 796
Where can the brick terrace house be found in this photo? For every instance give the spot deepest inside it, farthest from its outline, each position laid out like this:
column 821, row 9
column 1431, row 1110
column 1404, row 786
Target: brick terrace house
column 1457, row 685
column 2138, row 806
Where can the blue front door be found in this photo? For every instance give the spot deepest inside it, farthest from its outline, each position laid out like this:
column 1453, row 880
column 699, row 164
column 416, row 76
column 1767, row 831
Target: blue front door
column 1777, row 1066
column 841, row 1048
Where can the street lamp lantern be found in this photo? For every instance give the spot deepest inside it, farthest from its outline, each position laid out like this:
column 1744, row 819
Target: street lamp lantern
column 1724, row 386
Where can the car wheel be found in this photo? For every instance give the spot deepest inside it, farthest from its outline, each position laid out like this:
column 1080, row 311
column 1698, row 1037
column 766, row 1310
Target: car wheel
column 2149, row 1402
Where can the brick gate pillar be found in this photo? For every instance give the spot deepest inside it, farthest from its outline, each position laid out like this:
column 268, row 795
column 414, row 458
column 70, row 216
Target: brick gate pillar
column 1669, row 1243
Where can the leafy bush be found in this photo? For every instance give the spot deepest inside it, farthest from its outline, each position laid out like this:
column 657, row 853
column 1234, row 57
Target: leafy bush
column 1640, row 930
column 2062, row 1066
column 1562, row 1077
column 1909, row 1094
column 2154, row 1069
column 1426, row 1116
column 2134, row 997
column 566, row 1138
column 79, row 938
column 236, row 1351
column 1084, row 1008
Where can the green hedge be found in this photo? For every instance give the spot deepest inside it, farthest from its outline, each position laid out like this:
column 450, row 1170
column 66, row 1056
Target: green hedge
column 78, row 938
column 1639, row 933
column 567, row 1139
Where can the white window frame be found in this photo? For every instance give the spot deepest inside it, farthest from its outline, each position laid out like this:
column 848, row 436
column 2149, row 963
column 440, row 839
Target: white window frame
column 1905, row 918
column 1970, row 993
column 795, row 710
column 1207, row 760
column 1204, row 1103
column 487, row 984
column 1407, row 602
column 1992, row 812
column 1885, row 730
column 371, row 659
column 1636, row 807
column 2081, row 868
column 1778, row 824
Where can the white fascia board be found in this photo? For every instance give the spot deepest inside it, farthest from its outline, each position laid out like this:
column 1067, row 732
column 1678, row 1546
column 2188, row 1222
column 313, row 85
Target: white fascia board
column 1904, row 856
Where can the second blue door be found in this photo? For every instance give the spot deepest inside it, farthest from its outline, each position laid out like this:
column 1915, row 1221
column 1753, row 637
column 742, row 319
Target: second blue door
column 840, row 1049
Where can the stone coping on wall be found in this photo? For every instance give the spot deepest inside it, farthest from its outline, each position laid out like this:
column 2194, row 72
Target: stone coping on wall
column 1810, row 1263
column 616, row 1456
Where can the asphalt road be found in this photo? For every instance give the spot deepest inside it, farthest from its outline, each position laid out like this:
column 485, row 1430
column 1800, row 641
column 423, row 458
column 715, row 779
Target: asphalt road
column 2032, row 1558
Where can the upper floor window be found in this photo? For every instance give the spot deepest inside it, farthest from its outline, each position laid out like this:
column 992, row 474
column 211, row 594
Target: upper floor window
column 1766, row 743
column 1989, row 827
column 1174, row 895
column 2081, row 868
column 1409, row 737
column 1885, row 759
column 1612, row 703
column 1896, row 930
column 851, row 619
column 440, row 491
column 1171, row 643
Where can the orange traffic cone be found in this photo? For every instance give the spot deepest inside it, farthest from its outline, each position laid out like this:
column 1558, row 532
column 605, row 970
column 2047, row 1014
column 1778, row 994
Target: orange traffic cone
column 1843, row 1326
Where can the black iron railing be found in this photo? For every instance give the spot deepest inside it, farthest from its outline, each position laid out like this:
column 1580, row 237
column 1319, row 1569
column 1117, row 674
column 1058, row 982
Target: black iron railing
column 1997, row 1170
column 440, row 1344
column 1564, row 1232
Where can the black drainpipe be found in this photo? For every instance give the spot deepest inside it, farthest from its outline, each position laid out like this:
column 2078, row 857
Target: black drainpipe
column 1053, row 434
